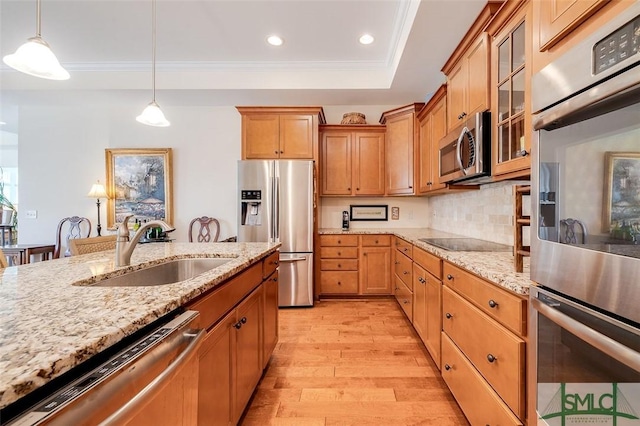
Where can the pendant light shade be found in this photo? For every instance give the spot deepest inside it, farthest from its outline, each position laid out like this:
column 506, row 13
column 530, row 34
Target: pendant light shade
column 36, row 58
column 152, row 115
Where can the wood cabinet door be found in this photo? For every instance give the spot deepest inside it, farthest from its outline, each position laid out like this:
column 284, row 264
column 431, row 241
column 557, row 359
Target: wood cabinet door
column 478, row 76
column 369, row 163
column 399, row 154
column 511, row 55
column 559, row 17
column 375, row 270
column 456, row 95
column 438, row 131
column 270, row 322
column 420, row 301
column 433, row 316
column 425, row 155
column 336, row 163
column 215, row 374
column 261, row 136
column 296, row 136
column 248, row 349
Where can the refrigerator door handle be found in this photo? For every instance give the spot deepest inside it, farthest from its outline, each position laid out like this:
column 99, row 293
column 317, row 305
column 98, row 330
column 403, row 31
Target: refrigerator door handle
column 272, row 224
column 276, row 209
column 293, row 259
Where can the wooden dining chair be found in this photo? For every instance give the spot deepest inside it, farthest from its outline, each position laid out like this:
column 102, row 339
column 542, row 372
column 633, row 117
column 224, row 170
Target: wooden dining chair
column 204, row 230
column 91, row 245
column 71, row 227
column 3, row 260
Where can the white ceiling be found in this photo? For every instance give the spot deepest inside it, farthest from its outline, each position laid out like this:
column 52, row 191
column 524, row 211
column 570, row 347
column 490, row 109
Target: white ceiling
column 213, row 52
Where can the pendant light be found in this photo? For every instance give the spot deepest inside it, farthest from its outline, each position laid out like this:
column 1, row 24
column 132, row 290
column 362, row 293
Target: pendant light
column 152, row 115
column 36, row 58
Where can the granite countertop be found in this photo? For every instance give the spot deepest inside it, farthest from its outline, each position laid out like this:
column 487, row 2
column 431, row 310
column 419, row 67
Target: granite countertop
column 496, row 267
column 48, row 325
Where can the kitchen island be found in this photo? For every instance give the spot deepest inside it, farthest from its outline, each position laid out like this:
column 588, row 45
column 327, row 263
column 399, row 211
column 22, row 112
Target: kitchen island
column 52, row 319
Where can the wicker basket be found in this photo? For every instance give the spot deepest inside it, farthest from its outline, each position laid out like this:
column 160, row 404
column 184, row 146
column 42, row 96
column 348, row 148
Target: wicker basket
column 353, row 118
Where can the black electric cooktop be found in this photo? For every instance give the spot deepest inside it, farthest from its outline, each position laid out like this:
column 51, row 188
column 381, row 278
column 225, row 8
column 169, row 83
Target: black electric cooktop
column 466, row 244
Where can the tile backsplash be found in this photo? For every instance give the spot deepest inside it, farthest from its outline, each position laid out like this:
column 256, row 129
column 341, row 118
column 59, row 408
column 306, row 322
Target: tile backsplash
column 486, row 213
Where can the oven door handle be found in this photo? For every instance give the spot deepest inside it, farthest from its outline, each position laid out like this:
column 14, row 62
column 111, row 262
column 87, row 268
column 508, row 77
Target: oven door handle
column 615, row 350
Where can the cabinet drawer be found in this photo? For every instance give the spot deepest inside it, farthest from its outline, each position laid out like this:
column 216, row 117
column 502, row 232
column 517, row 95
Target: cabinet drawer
column 214, row 305
column 338, row 252
column 507, row 308
column 431, row 263
column 332, row 282
column 496, row 352
column 403, row 266
column 404, row 296
column 339, row 264
column 270, row 264
column 339, row 240
column 404, row 247
column 478, row 401
column 376, row 240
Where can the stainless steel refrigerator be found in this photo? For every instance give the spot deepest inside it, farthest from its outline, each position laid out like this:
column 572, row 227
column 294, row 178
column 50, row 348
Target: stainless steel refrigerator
column 276, row 205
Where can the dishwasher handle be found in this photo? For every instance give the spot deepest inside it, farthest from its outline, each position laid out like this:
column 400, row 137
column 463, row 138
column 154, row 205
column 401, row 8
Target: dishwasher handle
column 127, row 411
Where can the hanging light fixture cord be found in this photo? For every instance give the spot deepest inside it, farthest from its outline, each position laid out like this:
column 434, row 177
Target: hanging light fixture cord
column 153, row 48
column 38, row 32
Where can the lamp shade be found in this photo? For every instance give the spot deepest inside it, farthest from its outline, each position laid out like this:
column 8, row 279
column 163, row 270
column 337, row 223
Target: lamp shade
column 152, row 115
column 36, row 58
column 97, row 191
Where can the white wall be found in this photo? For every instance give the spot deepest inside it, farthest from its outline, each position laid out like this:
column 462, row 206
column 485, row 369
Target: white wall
column 61, row 154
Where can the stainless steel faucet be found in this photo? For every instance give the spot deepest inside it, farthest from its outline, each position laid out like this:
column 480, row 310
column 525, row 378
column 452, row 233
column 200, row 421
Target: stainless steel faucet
column 125, row 246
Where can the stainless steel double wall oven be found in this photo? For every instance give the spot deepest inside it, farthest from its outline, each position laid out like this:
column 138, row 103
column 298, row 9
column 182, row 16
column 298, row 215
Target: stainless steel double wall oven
column 585, row 313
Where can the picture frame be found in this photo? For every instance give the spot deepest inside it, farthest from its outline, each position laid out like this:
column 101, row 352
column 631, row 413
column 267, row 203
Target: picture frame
column 621, row 195
column 369, row 212
column 139, row 182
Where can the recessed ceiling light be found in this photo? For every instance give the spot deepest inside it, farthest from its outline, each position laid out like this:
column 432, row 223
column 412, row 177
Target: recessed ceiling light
column 2, row 123
column 274, row 40
column 366, row 39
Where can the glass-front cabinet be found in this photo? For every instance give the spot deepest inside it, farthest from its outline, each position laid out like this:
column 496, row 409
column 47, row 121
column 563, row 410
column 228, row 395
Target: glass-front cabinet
column 511, row 73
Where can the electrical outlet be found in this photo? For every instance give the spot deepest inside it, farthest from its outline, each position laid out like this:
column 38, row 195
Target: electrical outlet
column 32, row 214
column 395, row 213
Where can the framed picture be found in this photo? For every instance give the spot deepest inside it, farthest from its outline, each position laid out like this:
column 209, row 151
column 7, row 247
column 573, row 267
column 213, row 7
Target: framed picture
column 139, row 182
column 368, row 212
column 621, row 190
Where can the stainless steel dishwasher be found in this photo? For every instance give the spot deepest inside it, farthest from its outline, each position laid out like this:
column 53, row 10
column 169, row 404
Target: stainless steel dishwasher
column 153, row 381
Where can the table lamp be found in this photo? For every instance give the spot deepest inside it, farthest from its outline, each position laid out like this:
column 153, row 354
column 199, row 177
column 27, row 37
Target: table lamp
column 97, row 191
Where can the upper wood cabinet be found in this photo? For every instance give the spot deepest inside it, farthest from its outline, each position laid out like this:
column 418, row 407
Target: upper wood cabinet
column 432, row 123
column 557, row 18
column 401, row 138
column 511, row 49
column 280, row 132
column 467, row 71
column 353, row 160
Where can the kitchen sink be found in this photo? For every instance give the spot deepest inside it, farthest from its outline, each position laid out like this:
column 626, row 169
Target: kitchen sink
column 169, row 272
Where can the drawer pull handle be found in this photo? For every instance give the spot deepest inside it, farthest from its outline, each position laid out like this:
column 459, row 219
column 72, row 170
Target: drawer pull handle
column 339, row 283
column 491, row 358
column 339, row 254
column 448, row 315
column 404, row 249
column 238, row 325
column 396, row 262
column 447, row 367
column 406, row 272
column 339, row 241
column 492, row 303
column 449, row 277
column 376, row 241
column 405, row 302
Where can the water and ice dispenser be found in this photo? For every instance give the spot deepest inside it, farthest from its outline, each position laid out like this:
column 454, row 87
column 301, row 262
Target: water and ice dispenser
column 251, row 207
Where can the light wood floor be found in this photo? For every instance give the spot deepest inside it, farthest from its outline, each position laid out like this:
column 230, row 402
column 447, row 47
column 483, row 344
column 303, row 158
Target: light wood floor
column 351, row 362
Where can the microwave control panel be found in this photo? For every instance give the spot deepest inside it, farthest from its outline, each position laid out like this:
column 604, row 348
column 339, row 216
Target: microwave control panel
column 617, row 46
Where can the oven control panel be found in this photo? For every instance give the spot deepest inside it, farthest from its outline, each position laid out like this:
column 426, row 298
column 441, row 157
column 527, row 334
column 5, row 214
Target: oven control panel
column 617, row 46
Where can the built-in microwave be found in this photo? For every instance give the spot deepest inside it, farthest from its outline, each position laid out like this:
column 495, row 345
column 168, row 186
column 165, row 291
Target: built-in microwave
column 465, row 153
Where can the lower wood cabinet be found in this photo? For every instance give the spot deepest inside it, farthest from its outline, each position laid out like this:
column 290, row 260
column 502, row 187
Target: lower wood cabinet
column 353, row 265
column 480, row 404
column 241, row 317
